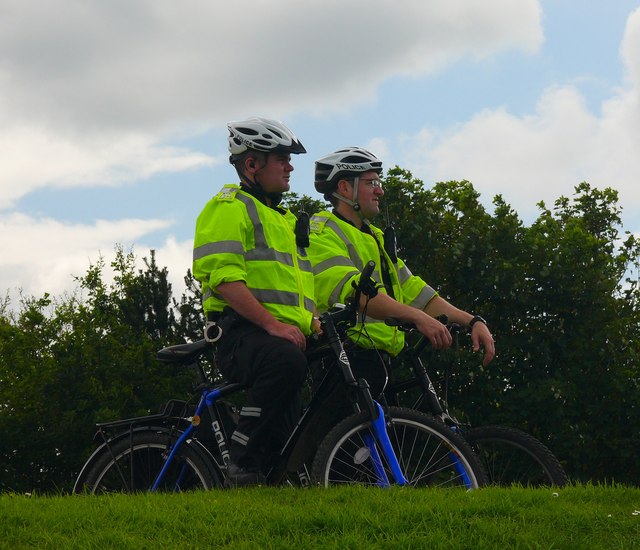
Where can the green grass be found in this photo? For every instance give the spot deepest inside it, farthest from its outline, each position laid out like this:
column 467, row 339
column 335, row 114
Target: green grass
column 579, row 517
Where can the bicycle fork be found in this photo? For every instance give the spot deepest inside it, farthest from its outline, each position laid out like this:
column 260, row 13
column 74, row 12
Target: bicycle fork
column 378, row 424
column 381, row 436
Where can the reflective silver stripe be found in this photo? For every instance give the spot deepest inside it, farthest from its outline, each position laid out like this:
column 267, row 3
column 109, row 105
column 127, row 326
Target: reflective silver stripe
column 369, row 320
column 252, row 211
column 262, row 251
column 335, row 295
column 309, row 305
column 220, row 247
column 305, row 265
column 250, row 411
column 404, row 274
column 422, row 299
column 353, row 253
column 336, row 261
column 211, row 294
column 269, row 255
column 240, row 438
column 281, row 297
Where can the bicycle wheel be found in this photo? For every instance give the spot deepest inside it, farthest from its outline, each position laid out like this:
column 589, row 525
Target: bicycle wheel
column 428, row 452
column 511, row 456
column 132, row 463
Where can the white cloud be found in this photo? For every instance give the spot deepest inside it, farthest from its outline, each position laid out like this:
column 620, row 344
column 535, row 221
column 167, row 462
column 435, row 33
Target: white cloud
column 91, row 92
column 88, row 90
column 44, row 255
column 153, row 63
column 176, row 256
column 544, row 154
column 630, row 48
column 32, row 158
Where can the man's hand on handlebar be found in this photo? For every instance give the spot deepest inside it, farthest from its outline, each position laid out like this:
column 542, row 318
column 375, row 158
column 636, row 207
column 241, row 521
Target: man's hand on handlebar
column 436, row 331
column 438, row 334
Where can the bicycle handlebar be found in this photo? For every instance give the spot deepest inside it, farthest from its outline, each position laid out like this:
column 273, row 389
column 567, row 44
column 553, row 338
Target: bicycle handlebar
column 347, row 313
column 454, row 328
column 366, row 284
column 408, row 327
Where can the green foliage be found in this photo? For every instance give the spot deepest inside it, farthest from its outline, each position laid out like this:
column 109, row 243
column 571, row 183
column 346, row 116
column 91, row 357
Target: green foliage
column 66, row 365
column 305, row 203
column 564, row 314
column 557, row 294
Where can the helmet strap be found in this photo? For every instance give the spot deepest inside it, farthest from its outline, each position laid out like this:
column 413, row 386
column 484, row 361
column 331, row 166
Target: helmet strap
column 353, row 202
column 254, row 188
column 354, row 195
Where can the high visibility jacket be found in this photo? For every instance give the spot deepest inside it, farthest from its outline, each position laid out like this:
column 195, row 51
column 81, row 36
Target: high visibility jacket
column 338, row 252
column 238, row 238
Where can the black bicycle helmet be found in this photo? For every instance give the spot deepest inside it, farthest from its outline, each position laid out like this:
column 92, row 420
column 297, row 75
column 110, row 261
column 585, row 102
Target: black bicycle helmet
column 261, row 134
column 344, row 164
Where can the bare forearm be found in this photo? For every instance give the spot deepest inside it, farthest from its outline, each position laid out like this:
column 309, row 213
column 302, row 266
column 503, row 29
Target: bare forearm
column 439, row 306
column 480, row 334
column 384, row 307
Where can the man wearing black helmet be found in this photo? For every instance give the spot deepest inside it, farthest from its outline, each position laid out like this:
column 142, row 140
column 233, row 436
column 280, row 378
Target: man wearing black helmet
column 258, row 286
column 344, row 240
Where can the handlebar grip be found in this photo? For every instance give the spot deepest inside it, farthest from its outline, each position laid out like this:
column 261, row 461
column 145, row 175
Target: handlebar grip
column 367, row 271
column 366, row 284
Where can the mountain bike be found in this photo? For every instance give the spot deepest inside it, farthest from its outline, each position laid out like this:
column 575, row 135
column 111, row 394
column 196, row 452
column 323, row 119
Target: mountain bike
column 186, row 445
column 509, row 455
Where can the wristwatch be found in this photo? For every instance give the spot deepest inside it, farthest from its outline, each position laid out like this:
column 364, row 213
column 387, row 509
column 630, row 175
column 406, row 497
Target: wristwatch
column 476, row 319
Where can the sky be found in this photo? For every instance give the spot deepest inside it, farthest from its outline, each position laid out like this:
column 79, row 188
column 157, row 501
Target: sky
column 113, row 113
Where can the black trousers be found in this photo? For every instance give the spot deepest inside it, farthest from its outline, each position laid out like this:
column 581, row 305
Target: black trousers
column 274, row 370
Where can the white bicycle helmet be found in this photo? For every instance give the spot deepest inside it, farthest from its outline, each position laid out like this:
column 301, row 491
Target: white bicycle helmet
column 342, row 164
column 261, row 134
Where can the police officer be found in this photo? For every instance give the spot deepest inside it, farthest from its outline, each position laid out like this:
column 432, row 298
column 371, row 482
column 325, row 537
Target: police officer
column 344, row 240
column 257, row 284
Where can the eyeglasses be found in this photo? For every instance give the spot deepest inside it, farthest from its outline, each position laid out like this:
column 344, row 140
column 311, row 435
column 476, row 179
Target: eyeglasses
column 375, row 183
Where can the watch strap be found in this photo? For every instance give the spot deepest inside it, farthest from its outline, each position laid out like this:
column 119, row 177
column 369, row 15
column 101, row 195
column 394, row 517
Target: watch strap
column 476, row 319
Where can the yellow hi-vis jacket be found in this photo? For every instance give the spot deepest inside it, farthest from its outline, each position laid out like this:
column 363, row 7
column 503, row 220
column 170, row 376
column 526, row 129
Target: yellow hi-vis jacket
column 238, row 238
column 338, row 252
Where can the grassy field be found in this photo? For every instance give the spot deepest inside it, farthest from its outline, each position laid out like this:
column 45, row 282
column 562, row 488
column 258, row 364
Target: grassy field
column 579, row 517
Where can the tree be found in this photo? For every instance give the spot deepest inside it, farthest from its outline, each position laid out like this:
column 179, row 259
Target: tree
column 566, row 319
column 66, row 365
column 557, row 294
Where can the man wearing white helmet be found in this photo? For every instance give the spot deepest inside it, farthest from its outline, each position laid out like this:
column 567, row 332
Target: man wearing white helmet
column 257, row 285
column 344, row 240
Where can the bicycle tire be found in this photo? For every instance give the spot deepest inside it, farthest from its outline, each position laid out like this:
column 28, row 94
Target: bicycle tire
column 429, row 453
column 131, row 463
column 513, row 457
